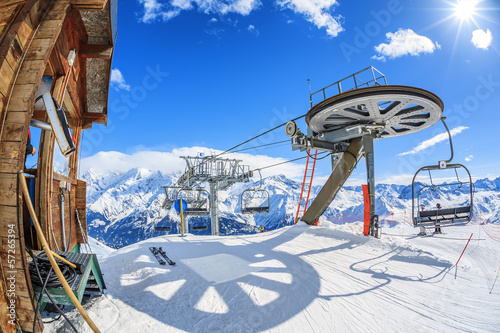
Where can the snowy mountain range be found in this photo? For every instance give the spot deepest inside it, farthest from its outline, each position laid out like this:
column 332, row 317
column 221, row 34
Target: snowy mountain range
column 122, row 208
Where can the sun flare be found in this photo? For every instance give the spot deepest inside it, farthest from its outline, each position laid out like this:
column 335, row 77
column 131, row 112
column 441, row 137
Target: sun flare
column 465, row 9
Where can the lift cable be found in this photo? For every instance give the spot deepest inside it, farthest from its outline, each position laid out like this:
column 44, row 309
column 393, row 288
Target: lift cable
column 255, row 137
column 289, row 161
column 269, row 144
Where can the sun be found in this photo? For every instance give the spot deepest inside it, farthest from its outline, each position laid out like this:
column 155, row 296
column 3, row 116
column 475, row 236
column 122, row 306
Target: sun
column 465, row 9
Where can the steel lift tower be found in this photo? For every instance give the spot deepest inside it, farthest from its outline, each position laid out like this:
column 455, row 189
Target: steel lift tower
column 220, row 173
column 345, row 122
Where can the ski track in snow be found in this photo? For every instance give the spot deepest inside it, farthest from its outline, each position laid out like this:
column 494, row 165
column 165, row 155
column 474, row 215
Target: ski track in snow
column 328, row 278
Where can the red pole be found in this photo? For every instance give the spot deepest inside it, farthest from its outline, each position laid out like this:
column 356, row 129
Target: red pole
column 366, row 199
column 302, row 190
column 464, row 249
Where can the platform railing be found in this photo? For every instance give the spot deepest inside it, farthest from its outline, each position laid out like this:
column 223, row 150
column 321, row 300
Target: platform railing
column 371, row 75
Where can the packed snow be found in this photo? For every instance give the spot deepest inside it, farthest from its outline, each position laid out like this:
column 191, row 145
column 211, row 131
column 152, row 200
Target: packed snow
column 328, row 278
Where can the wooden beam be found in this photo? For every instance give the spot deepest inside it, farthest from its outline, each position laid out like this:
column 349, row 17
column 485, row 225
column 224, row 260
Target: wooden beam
column 96, row 51
column 6, row 3
column 63, row 178
column 88, row 4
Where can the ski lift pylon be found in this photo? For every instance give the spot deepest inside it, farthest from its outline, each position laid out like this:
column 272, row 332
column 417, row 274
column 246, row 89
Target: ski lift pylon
column 441, row 216
column 249, row 196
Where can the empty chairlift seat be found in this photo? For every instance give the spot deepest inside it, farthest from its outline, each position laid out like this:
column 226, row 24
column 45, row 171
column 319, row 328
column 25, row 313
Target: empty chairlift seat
column 431, row 192
column 447, row 216
column 163, row 224
column 255, row 201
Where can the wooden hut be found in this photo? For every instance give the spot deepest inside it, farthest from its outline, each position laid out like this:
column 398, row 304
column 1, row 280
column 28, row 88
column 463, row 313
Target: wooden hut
column 38, row 41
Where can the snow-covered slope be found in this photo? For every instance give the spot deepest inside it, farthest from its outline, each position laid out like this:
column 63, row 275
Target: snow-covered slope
column 300, row 279
column 122, row 206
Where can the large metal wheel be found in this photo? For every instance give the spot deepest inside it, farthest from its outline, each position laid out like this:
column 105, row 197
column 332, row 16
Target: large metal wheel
column 399, row 110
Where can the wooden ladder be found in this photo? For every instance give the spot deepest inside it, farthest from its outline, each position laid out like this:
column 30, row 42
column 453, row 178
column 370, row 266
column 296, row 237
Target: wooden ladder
column 306, row 184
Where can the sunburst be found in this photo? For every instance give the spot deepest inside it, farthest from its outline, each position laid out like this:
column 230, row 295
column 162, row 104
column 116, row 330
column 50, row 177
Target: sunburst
column 465, row 9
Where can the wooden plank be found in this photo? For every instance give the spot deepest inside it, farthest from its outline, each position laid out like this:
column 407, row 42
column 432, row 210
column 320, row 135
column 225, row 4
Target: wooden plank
column 6, row 13
column 10, row 150
column 8, row 184
column 4, row 311
column 45, row 169
column 30, row 72
column 17, row 117
column 25, row 312
column 11, row 253
column 25, row 32
column 89, row 4
column 13, row 132
column 81, row 206
column 38, row 49
column 9, row 166
column 21, row 97
column 9, row 216
column 48, row 29
column 63, row 178
column 59, row 11
column 6, row 3
column 7, row 75
column 96, row 51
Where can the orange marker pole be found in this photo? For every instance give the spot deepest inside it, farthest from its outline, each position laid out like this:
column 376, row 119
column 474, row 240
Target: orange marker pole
column 464, row 248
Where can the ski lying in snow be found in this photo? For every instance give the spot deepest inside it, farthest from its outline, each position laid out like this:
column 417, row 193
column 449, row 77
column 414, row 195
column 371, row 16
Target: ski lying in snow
column 157, row 255
column 170, row 262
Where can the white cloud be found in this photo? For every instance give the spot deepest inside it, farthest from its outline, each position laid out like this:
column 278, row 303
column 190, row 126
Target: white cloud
column 404, row 42
column 154, row 10
column 169, row 162
column 435, row 140
column 317, row 12
column 469, row 158
column 482, row 39
column 381, row 58
column 251, row 28
column 117, row 80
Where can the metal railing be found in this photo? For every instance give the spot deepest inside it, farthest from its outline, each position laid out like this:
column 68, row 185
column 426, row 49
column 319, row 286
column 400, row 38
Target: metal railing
column 367, row 77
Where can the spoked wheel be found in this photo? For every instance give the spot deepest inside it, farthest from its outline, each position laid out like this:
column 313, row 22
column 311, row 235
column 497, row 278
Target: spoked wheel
column 399, row 110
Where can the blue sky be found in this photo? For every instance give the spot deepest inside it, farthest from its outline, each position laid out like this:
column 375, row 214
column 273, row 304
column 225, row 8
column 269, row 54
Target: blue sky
column 215, row 73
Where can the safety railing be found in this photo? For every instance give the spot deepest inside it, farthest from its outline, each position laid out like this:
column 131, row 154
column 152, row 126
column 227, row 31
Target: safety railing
column 367, row 77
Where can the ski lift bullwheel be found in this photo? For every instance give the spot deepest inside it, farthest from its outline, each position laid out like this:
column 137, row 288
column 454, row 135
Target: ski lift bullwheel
column 397, row 110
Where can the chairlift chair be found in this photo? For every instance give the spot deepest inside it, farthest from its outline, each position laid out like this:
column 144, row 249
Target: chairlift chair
column 198, row 225
column 170, row 196
column 447, row 216
column 163, row 224
column 197, row 201
column 255, row 200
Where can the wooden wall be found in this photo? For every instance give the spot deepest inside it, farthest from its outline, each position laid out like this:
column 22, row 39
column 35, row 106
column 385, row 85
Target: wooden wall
column 24, row 52
column 36, row 37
